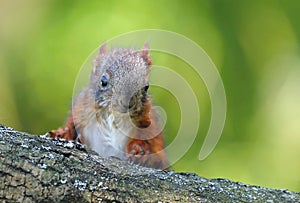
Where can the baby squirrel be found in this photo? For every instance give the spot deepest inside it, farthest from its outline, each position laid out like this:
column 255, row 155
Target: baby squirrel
column 113, row 114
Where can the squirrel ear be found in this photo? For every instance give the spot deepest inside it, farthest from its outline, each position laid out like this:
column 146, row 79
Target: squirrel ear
column 102, row 51
column 145, row 53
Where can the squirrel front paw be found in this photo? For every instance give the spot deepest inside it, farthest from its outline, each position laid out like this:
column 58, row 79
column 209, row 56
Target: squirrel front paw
column 139, row 152
column 137, row 148
column 60, row 133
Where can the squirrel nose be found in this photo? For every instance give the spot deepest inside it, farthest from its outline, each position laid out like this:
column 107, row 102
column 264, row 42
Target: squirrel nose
column 124, row 104
column 127, row 103
column 127, row 99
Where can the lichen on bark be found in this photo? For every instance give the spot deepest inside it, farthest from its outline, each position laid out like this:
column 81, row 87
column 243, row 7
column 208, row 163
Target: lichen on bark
column 39, row 169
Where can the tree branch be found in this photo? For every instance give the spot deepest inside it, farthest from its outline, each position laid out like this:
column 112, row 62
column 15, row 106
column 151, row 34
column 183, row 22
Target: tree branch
column 35, row 168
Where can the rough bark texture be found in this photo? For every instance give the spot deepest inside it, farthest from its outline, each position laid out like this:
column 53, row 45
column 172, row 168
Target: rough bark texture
column 38, row 169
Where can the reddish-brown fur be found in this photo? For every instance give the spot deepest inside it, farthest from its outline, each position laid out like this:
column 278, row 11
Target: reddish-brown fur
column 142, row 147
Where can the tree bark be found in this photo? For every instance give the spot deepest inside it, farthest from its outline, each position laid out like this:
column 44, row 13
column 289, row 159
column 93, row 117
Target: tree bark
column 39, row 169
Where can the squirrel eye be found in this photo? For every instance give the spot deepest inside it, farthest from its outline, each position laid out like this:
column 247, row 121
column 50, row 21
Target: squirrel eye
column 104, row 81
column 146, row 87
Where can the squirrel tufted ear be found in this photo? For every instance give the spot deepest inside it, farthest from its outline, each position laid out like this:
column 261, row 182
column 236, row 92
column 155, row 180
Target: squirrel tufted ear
column 103, row 49
column 145, row 53
column 102, row 52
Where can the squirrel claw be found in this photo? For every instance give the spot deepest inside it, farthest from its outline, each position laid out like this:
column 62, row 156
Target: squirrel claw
column 59, row 133
column 137, row 149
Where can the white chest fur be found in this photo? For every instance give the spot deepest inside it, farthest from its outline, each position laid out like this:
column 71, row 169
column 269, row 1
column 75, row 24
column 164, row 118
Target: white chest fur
column 105, row 138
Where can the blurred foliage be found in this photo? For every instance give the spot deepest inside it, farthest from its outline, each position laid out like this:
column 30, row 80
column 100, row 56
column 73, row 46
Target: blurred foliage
column 254, row 44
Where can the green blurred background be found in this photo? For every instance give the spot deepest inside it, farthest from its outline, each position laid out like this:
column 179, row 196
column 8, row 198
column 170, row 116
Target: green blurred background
column 254, row 44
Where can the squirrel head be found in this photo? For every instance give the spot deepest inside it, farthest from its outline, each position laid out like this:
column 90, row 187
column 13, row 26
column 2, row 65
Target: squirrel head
column 120, row 77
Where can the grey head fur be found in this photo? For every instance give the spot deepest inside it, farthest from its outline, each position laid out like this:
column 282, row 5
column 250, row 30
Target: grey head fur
column 118, row 75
